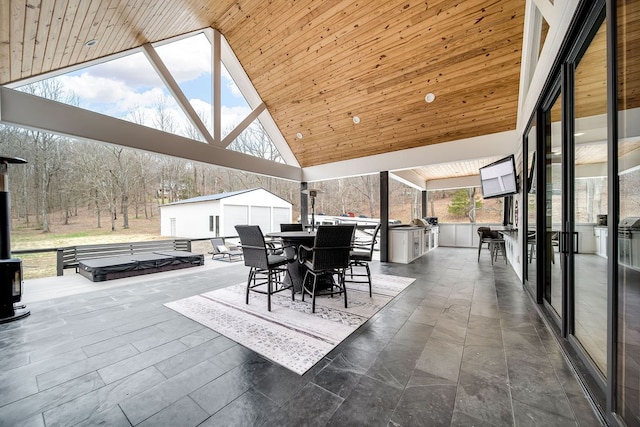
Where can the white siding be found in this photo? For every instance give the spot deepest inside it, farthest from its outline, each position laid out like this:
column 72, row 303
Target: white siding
column 261, row 215
column 191, row 220
column 233, row 215
column 281, row 216
column 254, row 207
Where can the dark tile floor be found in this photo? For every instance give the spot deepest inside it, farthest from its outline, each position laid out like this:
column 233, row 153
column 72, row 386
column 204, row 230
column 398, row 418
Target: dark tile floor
column 462, row 346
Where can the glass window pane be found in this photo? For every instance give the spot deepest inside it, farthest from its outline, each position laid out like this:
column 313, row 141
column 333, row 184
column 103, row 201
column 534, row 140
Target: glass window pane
column 531, row 209
column 554, row 216
column 590, row 201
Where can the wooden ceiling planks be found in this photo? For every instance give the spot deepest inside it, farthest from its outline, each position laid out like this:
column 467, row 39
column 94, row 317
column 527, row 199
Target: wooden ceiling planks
column 18, row 18
column 317, row 103
column 316, row 64
column 86, row 30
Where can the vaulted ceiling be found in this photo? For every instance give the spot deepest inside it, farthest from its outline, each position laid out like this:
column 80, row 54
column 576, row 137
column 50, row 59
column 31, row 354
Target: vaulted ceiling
column 315, row 64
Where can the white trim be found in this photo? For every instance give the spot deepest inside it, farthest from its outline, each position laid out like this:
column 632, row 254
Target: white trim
column 530, row 49
column 452, row 183
column 173, row 87
column 565, row 10
column 409, row 178
column 548, row 10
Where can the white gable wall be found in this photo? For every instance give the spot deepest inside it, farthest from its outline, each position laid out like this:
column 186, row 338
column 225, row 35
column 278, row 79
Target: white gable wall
column 192, row 220
column 262, row 208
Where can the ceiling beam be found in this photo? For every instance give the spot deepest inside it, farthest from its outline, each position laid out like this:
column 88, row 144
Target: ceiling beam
column 410, row 179
column 33, row 112
column 497, row 144
column 244, row 124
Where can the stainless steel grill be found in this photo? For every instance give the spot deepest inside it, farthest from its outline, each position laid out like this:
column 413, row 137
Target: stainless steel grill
column 629, row 241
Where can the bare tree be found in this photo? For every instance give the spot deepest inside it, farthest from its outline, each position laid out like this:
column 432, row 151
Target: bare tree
column 121, row 173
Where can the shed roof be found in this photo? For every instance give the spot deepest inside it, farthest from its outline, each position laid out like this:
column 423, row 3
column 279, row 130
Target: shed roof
column 220, row 196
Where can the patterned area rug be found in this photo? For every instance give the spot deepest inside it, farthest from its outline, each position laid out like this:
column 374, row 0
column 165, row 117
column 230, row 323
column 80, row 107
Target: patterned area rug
column 290, row 334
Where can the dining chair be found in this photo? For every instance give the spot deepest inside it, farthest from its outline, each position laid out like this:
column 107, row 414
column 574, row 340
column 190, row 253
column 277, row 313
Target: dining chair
column 291, row 227
column 328, row 257
column 268, row 269
column 360, row 255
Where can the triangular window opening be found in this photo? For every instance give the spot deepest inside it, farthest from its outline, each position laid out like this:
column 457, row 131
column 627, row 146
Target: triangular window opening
column 129, row 88
column 255, row 141
column 544, row 31
column 234, row 105
column 189, row 63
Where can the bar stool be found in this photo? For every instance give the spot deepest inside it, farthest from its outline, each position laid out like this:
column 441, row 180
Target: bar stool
column 497, row 247
column 485, row 236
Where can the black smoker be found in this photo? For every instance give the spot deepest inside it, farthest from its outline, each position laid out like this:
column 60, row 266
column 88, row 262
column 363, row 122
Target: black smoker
column 10, row 268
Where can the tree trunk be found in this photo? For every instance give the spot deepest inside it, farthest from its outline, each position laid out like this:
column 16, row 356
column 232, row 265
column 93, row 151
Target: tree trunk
column 472, row 204
column 125, row 211
column 43, row 207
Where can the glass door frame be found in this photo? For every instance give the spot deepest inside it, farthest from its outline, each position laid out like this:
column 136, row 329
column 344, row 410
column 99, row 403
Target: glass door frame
column 591, row 24
column 561, row 82
column 537, row 289
column 554, row 92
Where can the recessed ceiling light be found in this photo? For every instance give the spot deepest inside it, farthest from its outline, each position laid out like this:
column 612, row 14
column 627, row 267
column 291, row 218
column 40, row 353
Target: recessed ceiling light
column 356, row 119
column 91, row 42
column 430, row 97
column 578, row 134
column 299, row 135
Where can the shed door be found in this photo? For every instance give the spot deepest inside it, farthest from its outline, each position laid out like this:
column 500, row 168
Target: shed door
column 261, row 215
column 234, row 215
column 173, row 227
column 281, row 216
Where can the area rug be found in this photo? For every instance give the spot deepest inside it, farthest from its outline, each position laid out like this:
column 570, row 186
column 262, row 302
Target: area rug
column 290, row 334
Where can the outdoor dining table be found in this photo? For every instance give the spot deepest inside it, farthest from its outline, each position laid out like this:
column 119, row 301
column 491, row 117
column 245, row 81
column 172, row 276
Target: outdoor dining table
column 295, row 239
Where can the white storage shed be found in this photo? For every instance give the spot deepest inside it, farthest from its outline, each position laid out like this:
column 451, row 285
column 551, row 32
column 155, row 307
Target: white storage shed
column 217, row 215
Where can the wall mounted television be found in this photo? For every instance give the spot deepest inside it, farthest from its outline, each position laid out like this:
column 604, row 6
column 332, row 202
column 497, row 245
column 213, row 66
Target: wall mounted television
column 498, row 179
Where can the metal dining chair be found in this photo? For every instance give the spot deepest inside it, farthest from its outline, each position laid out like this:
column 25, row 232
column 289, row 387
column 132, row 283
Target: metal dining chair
column 268, row 269
column 291, row 227
column 328, row 257
column 360, row 256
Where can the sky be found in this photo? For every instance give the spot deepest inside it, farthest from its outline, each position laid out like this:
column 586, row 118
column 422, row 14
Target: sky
column 118, row 87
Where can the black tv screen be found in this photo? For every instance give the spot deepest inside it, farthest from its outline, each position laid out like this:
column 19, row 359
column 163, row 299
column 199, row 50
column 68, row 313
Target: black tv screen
column 499, row 178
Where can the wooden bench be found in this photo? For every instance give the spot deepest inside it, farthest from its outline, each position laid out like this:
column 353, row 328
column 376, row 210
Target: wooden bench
column 71, row 256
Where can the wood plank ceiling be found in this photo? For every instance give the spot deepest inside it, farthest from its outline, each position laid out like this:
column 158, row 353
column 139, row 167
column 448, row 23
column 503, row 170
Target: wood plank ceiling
column 316, row 64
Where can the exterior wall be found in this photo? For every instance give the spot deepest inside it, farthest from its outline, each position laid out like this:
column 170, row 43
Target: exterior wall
column 192, row 219
column 259, row 199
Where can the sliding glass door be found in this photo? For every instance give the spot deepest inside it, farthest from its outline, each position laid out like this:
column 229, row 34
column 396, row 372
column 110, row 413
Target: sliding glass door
column 589, row 219
column 554, row 210
column 574, row 246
